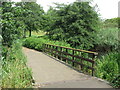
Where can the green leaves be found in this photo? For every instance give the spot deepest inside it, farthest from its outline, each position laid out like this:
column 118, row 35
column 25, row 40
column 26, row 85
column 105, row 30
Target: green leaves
column 37, row 43
column 108, row 37
column 9, row 26
column 17, row 18
column 108, row 67
column 75, row 24
column 15, row 73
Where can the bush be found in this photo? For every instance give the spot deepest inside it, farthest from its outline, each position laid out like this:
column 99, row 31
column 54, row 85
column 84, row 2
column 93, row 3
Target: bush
column 107, row 41
column 108, row 37
column 37, row 43
column 76, row 24
column 15, row 73
column 108, row 68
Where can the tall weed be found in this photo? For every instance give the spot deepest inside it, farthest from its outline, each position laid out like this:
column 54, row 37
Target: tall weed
column 108, row 68
column 15, row 73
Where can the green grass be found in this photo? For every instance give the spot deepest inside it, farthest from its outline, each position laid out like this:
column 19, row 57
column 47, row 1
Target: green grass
column 34, row 33
column 15, row 73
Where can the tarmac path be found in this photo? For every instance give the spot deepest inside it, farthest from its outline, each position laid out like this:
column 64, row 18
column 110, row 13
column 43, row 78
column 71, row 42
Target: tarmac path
column 51, row 73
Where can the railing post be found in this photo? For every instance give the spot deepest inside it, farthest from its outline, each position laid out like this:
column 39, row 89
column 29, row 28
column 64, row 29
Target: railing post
column 66, row 55
column 48, row 49
column 93, row 64
column 43, row 47
column 56, row 51
column 61, row 52
column 81, row 65
column 73, row 57
column 52, row 50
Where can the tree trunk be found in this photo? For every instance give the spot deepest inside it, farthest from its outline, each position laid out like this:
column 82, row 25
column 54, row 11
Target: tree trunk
column 24, row 34
column 30, row 33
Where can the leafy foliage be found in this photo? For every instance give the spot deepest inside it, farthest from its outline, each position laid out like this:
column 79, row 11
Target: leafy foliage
column 9, row 29
column 17, row 18
column 32, row 15
column 75, row 24
column 111, row 23
column 15, row 73
column 108, row 40
column 37, row 43
column 109, row 68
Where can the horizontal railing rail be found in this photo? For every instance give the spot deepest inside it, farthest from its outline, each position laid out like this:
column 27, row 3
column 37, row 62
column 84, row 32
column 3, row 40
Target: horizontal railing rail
column 73, row 57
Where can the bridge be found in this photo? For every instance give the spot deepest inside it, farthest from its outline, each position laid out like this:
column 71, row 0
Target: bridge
column 63, row 67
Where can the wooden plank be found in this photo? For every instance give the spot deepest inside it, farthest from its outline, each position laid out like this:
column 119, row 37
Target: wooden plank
column 89, row 60
column 75, row 61
column 95, row 53
column 53, row 50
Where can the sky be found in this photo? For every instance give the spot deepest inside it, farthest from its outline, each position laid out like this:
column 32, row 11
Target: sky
column 107, row 8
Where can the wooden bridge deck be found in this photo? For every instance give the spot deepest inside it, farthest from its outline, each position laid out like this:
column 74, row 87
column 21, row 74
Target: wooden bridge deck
column 50, row 73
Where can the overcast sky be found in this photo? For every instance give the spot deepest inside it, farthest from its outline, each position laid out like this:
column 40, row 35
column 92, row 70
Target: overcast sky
column 107, row 8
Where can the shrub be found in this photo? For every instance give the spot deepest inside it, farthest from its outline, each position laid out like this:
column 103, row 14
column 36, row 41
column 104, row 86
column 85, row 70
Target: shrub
column 37, row 43
column 108, row 37
column 108, row 68
column 15, row 73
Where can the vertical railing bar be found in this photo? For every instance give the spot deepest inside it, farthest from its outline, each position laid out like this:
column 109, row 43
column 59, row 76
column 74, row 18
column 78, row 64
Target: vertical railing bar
column 56, row 51
column 66, row 55
column 53, row 50
column 73, row 58
column 93, row 64
column 61, row 52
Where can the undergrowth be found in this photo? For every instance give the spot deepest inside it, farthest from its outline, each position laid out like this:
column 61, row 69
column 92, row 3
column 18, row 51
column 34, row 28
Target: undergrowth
column 108, row 68
column 37, row 43
column 15, row 73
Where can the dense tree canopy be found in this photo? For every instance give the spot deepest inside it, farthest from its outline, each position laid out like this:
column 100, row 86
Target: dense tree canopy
column 75, row 23
column 9, row 29
column 32, row 15
column 17, row 18
column 111, row 23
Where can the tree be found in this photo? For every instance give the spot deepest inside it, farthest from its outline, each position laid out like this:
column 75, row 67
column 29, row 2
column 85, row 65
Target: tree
column 32, row 16
column 9, row 29
column 111, row 23
column 76, row 24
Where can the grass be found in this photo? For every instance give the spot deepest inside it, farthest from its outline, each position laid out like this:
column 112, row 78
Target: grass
column 15, row 73
column 34, row 33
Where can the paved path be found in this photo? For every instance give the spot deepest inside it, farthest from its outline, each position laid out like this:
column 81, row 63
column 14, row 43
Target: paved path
column 50, row 73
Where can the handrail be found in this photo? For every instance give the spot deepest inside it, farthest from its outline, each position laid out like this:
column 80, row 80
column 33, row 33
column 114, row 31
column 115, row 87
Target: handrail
column 95, row 53
column 62, row 53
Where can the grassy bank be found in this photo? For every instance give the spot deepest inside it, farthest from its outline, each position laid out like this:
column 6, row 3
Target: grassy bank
column 15, row 73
